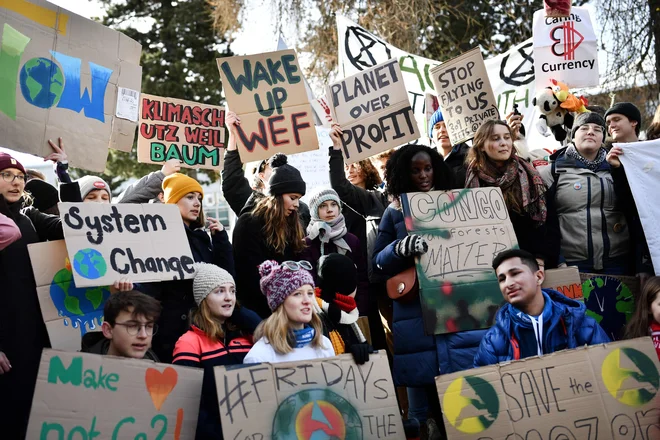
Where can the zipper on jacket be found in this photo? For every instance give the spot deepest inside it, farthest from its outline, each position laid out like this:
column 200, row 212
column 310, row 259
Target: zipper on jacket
column 590, row 243
column 606, row 237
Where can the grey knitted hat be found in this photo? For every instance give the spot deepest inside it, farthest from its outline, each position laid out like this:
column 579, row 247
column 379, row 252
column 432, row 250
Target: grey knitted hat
column 588, row 118
column 319, row 197
column 207, row 278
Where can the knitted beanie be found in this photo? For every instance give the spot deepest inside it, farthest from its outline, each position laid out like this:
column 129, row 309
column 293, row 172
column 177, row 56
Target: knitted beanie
column 177, row 185
column 6, row 161
column 278, row 282
column 285, row 179
column 90, row 183
column 44, row 194
column 435, row 118
column 627, row 109
column 320, row 196
column 207, row 278
column 588, row 118
column 337, row 274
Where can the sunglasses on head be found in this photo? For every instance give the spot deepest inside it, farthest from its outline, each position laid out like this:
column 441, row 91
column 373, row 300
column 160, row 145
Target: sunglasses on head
column 297, row 265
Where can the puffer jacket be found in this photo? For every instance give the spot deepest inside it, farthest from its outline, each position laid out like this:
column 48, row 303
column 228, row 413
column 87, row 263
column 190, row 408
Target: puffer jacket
column 591, row 224
column 418, row 357
column 565, row 325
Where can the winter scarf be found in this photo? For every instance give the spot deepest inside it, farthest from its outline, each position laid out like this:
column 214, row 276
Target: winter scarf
column 333, row 230
column 655, row 335
column 348, row 316
column 304, row 336
column 531, row 189
column 593, row 165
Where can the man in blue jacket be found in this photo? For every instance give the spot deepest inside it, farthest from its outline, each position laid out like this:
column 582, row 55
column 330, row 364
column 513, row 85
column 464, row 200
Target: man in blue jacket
column 535, row 321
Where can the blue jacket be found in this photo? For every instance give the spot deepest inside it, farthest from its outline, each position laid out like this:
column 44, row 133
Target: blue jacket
column 418, row 357
column 565, row 325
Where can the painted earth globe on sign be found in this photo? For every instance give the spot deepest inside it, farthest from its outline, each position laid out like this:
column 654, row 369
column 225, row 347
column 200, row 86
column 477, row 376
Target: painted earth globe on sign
column 42, row 82
column 89, row 263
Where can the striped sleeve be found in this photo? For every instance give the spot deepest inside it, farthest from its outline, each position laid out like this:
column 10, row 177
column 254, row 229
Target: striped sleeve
column 187, row 350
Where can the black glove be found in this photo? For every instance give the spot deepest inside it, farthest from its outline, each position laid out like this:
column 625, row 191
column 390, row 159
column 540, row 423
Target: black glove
column 411, row 245
column 360, row 352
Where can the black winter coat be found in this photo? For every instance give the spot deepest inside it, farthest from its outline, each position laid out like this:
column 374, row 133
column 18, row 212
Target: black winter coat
column 456, row 161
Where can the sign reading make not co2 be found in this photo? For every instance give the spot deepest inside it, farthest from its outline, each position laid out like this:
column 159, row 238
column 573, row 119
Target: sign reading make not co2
column 140, row 242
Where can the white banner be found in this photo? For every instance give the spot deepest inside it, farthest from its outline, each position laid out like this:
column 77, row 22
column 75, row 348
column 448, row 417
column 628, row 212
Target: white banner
column 565, row 49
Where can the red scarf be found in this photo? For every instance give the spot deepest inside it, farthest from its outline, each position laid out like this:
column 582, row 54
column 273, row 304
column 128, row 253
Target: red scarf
column 344, row 302
column 655, row 335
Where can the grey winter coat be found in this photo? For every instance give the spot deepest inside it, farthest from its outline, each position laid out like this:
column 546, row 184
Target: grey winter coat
column 144, row 190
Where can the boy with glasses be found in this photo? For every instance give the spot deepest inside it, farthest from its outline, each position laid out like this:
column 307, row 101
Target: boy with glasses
column 129, row 323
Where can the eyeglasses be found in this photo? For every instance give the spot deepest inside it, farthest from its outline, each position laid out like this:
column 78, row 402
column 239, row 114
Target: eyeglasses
column 586, row 127
column 133, row 328
column 9, row 177
column 297, row 265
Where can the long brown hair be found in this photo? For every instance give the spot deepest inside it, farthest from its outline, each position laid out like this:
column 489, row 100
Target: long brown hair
column 640, row 321
column 203, row 319
column 280, row 230
column 369, row 173
column 277, row 331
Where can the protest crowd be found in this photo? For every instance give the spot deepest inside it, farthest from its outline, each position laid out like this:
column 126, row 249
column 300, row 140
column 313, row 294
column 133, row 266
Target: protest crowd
column 342, row 272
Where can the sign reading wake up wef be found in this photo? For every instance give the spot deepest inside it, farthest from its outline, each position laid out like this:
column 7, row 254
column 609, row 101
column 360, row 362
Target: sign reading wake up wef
column 59, row 76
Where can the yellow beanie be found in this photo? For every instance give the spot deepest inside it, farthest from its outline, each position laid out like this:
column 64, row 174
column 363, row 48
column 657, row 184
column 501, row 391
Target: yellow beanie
column 177, row 185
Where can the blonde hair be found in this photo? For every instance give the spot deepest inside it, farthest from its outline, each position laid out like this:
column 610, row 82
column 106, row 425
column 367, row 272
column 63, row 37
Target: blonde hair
column 202, row 318
column 279, row 229
column 277, row 330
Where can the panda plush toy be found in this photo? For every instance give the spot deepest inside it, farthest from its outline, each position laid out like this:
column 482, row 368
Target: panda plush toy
column 553, row 117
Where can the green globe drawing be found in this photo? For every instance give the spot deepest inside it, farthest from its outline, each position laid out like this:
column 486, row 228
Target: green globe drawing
column 90, row 264
column 471, row 415
column 42, row 82
column 630, row 376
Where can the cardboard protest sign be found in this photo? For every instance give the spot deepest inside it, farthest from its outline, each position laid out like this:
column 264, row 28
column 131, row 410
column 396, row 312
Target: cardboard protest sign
column 464, row 95
column 464, row 230
column 373, row 110
column 610, row 300
column 141, row 242
column 83, row 395
column 69, row 311
column 642, row 164
column 60, row 76
column 268, row 93
column 565, row 49
column 605, row 392
column 324, row 398
column 565, row 280
column 176, row 129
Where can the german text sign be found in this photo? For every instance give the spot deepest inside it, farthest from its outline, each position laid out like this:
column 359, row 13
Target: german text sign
column 177, row 129
column 604, row 392
column 140, row 242
column 267, row 92
column 59, row 77
column 464, row 94
column 325, row 398
column 464, row 229
column 82, row 395
column 373, row 110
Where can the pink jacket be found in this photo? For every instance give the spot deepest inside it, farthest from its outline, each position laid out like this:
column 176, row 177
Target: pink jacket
column 9, row 232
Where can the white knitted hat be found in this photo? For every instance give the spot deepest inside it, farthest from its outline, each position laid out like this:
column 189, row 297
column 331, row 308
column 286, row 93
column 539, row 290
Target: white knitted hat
column 207, row 278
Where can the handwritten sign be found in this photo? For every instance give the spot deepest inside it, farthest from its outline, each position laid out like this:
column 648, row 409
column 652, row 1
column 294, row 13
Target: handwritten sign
column 268, row 93
column 60, row 76
column 140, row 242
column 177, row 129
column 565, row 280
column 607, row 392
column 465, row 229
column 464, row 95
column 373, row 110
column 610, row 300
column 82, row 395
column 326, row 398
column 69, row 311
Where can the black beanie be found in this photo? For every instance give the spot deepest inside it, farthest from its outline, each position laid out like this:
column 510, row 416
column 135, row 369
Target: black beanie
column 627, row 109
column 337, row 274
column 588, row 118
column 44, row 194
column 285, row 179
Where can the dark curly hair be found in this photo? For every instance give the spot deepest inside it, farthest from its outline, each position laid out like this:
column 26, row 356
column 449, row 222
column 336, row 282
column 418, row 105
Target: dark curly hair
column 371, row 176
column 397, row 170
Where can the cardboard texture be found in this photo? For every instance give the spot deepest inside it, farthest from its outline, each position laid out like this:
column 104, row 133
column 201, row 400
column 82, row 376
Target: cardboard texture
column 610, row 300
column 464, row 229
column 68, row 311
column 140, row 242
column 176, row 129
column 464, row 95
column 373, row 110
column 565, row 280
column 565, row 49
column 268, row 94
column 604, row 392
column 60, row 75
column 324, row 398
column 82, row 395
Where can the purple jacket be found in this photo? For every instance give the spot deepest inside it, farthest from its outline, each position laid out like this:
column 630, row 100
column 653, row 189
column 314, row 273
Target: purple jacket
column 312, row 253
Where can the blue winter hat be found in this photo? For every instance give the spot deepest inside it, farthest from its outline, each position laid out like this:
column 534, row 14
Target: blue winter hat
column 435, row 118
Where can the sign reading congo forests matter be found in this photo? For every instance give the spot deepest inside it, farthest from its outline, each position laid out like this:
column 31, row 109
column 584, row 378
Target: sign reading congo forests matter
column 268, row 94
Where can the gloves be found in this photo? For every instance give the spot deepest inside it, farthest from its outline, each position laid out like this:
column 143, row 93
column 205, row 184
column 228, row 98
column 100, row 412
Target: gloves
column 411, row 245
column 360, row 352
